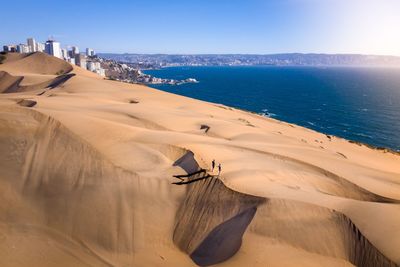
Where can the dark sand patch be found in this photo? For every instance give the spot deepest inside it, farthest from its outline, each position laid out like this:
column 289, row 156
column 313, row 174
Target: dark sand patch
column 205, row 127
column 27, row 103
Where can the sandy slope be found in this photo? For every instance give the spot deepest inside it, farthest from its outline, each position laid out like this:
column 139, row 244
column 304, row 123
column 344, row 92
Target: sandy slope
column 86, row 181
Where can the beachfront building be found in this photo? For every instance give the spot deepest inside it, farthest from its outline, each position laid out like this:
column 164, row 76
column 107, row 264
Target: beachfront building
column 23, row 48
column 90, row 52
column 31, row 44
column 53, row 48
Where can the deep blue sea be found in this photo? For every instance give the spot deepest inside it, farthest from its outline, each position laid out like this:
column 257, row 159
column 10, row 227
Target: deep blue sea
column 360, row 104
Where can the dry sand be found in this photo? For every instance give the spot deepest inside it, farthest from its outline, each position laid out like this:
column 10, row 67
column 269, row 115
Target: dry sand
column 87, row 164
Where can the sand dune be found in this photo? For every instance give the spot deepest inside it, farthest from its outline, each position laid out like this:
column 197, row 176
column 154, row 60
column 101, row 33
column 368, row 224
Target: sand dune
column 9, row 83
column 37, row 62
column 33, row 72
column 87, row 171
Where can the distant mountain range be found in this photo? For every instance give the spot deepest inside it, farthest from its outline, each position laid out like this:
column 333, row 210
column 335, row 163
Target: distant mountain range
column 293, row 59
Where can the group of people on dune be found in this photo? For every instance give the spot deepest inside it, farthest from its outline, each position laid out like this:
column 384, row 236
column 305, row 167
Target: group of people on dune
column 213, row 167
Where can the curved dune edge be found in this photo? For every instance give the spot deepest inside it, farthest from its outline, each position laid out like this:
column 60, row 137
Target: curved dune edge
column 12, row 84
column 96, row 169
column 8, row 83
column 37, row 63
column 32, row 72
column 212, row 219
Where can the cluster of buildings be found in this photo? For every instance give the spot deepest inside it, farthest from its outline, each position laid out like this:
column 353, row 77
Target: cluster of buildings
column 84, row 60
column 129, row 73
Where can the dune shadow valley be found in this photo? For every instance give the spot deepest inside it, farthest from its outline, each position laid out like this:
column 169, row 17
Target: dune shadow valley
column 97, row 172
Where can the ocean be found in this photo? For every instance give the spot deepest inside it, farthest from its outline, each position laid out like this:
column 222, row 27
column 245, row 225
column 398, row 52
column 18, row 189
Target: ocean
column 357, row 103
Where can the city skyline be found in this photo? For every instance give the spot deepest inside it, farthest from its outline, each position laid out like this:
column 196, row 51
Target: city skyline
column 52, row 47
column 213, row 27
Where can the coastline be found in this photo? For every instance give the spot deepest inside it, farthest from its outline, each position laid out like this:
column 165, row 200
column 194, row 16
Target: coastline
column 91, row 148
column 372, row 127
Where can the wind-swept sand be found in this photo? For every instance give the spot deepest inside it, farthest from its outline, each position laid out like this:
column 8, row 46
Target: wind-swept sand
column 87, row 165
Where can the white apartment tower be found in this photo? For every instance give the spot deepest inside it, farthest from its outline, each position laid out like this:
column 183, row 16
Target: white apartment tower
column 40, row 47
column 75, row 50
column 64, row 54
column 32, row 44
column 90, row 52
column 80, row 60
column 53, row 48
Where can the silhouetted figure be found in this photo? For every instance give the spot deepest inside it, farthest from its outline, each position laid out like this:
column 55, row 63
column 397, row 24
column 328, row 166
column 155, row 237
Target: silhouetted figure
column 219, row 169
column 212, row 165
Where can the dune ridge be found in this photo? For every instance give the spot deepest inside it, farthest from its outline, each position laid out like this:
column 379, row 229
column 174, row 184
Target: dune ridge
column 37, row 62
column 87, row 179
column 39, row 71
column 8, row 83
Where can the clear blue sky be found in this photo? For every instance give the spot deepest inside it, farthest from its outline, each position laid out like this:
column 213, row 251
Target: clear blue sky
column 209, row 26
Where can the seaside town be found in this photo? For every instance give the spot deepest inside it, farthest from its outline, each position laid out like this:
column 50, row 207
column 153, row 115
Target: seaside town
column 108, row 68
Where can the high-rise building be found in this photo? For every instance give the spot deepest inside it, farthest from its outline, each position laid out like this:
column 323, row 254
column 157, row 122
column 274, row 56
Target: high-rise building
column 80, row 60
column 64, row 54
column 75, row 51
column 40, row 47
column 31, row 44
column 90, row 52
column 53, row 48
column 23, row 48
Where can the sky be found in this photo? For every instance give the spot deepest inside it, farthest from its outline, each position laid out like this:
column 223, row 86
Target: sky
column 209, row 26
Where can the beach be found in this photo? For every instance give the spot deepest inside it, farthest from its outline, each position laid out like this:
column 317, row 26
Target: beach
column 87, row 167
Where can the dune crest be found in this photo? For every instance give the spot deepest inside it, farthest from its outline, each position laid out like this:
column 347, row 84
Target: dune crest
column 9, row 83
column 88, row 168
column 37, row 62
column 33, row 72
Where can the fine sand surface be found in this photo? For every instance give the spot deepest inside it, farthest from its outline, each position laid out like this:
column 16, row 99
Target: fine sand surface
column 87, row 165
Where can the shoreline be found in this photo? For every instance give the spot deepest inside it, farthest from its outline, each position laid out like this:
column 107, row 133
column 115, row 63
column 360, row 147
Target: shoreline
column 305, row 125
column 280, row 66
column 383, row 149
column 86, row 148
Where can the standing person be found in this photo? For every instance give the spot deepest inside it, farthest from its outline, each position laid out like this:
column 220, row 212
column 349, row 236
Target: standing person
column 219, row 169
column 212, row 165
